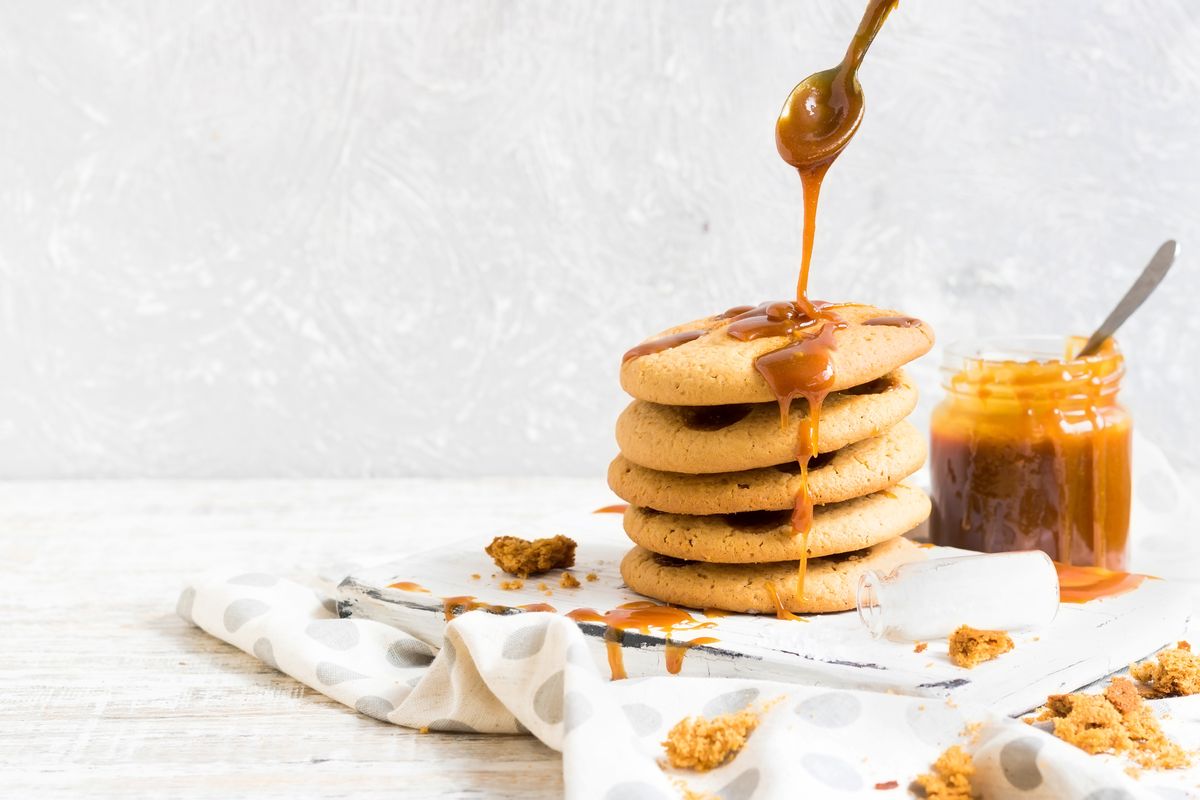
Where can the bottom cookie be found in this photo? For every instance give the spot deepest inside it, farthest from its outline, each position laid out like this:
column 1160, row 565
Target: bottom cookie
column 830, row 583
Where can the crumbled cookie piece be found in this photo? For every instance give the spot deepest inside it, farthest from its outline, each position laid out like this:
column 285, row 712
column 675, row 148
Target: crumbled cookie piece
column 702, row 744
column 592, row 577
column 1116, row 721
column 919, row 647
column 474, row 576
column 970, row 647
column 511, row 585
column 523, row 558
column 568, row 581
column 688, row 793
column 951, row 776
column 1177, row 672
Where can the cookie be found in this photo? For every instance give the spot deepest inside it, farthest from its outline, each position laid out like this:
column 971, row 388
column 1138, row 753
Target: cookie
column 717, row 369
column 703, row 440
column 830, row 583
column 855, row 470
column 760, row 536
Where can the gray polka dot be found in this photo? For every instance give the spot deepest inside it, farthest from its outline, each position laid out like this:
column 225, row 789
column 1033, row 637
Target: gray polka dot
column 831, row 771
column 414, row 681
column 742, row 787
column 934, row 722
column 634, row 790
column 451, row 725
column 642, row 718
column 730, row 702
column 336, row 634
column 331, row 674
column 1018, row 760
column 1110, row 794
column 265, row 653
column 255, row 579
column 548, row 699
column 578, row 655
column 242, row 611
column 524, row 642
column 409, row 653
column 577, row 710
column 831, row 709
column 374, row 706
column 187, row 599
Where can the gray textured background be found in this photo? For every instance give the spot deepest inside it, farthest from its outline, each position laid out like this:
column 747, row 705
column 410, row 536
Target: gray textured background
column 333, row 239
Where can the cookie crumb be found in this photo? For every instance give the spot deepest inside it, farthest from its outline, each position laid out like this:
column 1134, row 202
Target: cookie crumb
column 523, row 558
column 474, row 576
column 1177, row 672
column 509, row 586
column 1116, row 721
column 919, row 647
column 423, row 729
column 568, row 581
column 951, row 776
column 688, row 793
column 702, row 744
column 592, row 577
column 883, row 787
column 970, row 647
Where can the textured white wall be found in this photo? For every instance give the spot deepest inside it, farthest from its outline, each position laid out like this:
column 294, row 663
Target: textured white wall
column 288, row 238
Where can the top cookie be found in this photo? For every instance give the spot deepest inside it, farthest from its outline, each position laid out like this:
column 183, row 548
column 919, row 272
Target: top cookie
column 717, row 369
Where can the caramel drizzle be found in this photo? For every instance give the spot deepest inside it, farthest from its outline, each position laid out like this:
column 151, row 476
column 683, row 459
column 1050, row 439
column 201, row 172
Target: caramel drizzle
column 895, row 322
column 662, row 343
column 642, row 616
column 618, row 508
column 804, row 368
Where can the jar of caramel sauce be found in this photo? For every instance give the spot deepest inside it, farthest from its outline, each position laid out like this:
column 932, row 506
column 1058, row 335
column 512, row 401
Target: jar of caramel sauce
column 1031, row 450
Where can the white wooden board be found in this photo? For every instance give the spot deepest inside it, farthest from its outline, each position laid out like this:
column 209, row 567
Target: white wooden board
column 1083, row 644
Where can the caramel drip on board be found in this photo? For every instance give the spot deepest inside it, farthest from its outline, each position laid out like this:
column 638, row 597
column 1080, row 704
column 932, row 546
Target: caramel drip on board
column 408, row 586
column 780, row 611
column 677, row 650
column 1080, row 584
column 618, row 508
column 641, row 616
column 460, row 604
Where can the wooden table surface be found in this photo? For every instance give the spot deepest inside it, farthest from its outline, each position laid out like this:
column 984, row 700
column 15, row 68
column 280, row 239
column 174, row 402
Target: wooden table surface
column 106, row 691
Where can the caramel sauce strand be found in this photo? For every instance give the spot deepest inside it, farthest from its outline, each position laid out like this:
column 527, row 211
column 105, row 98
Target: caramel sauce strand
column 810, row 182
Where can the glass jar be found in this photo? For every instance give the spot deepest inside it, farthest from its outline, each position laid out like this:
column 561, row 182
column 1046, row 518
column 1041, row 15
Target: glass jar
column 1031, row 450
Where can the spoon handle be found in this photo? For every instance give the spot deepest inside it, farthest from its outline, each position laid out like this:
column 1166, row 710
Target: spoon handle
column 1151, row 276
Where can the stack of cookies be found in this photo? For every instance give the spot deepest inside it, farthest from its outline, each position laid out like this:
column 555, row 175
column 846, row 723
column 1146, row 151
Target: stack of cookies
column 710, row 470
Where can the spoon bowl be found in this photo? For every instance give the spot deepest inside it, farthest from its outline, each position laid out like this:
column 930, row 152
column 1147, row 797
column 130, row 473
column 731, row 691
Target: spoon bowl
column 819, row 118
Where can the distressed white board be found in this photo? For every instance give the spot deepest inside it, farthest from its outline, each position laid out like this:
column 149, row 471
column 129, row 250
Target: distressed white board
column 1084, row 643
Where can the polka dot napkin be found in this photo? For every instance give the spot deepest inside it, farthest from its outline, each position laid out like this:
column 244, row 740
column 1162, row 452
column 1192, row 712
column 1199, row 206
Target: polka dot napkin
column 532, row 673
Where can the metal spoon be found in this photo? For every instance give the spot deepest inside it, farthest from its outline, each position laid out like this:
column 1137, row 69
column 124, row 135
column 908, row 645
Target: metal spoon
column 1151, row 276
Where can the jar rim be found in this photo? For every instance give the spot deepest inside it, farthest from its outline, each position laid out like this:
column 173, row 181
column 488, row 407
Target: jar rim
column 1045, row 348
column 1032, row 368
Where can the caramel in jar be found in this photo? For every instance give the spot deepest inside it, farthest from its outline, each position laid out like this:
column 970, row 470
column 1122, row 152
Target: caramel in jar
column 1031, row 450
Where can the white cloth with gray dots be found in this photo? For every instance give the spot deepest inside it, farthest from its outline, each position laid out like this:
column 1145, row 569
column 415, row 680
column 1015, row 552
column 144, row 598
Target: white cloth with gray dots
column 532, row 673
